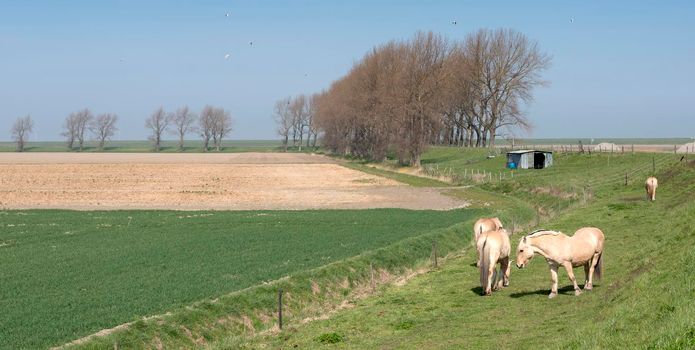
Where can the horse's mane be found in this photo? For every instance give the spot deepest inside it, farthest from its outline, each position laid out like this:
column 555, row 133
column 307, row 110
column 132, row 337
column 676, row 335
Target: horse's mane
column 543, row 232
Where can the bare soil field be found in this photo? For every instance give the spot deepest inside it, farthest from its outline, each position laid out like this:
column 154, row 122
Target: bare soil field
column 240, row 181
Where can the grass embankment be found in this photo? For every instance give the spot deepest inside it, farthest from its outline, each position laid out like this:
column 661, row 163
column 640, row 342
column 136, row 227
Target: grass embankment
column 646, row 299
column 67, row 274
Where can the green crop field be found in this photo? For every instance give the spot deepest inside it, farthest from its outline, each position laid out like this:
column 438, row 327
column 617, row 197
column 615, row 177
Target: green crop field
column 67, row 274
column 646, row 299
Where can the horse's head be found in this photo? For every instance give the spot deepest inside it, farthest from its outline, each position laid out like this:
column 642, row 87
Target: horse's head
column 524, row 253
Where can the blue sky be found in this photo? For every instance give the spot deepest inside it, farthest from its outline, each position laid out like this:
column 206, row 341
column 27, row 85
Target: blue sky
column 622, row 69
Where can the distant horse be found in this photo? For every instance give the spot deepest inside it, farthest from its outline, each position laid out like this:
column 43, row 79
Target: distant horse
column 485, row 225
column 650, row 185
column 493, row 247
column 585, row 248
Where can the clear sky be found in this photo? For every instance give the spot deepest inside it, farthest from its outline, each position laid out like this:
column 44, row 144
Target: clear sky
column 621, row 69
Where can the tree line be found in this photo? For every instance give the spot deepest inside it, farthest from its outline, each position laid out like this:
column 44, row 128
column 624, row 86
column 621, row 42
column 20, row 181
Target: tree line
column 212, row 124
column 405, row 95
column 295, row 118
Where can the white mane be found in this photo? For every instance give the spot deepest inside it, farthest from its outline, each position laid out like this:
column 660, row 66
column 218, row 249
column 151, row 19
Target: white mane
column 538, row 233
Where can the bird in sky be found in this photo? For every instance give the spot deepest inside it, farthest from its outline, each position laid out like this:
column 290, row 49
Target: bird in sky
column 227, row 14
column 226, row 57
column 571, row 20
column 454, row 22
column 251, row 43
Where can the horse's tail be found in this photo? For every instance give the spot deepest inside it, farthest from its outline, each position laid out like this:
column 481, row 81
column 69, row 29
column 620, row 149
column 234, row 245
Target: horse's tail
column 484, row 265
column 599, row 266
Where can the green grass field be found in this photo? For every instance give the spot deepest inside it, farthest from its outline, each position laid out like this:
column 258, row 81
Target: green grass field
column 67, row 274
column 645, row 301
column 218, row 275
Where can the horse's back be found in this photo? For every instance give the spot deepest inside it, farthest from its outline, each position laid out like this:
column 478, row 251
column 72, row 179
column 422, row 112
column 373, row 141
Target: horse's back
column 593, row 236
column 498, row 241
column 485, row 225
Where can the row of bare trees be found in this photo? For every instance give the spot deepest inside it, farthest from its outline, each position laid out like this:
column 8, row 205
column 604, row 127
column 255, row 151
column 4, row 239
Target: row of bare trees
column 405, row 95
column 213, row 124
column 78, row 124
column 295, row 118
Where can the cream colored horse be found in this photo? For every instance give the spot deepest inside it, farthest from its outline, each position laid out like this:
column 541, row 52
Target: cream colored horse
column 485, row 225
column 493, row 247
column 585, row 248
column 650, row 185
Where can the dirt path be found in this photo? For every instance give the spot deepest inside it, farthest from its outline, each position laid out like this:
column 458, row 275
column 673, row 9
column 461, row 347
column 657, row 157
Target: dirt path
column 240, row 181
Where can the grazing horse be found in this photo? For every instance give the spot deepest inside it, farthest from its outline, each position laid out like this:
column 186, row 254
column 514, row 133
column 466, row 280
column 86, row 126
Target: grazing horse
column 585, row 248
column 493, row 247
column 651, row 186
column 485, row 225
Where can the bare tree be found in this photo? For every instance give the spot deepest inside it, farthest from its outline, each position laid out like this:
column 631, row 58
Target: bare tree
column 206, row 125
column 104, row 127
column 283, row 119
column 158, row 122
column 70, row 127
column 183, row 123
column 20, row 131
column 83, row 119
column 221, row 126
column 298, row 110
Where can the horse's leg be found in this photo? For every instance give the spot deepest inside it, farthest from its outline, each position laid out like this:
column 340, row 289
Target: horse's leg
column 506, row 267
column 553, row 276
column 586, row 273
column 490, row 277
column 592, row 267
column 570, row 274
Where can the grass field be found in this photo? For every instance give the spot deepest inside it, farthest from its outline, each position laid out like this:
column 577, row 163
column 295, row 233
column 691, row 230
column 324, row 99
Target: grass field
column 101, row 269
column 66, row 274
column 645, row 301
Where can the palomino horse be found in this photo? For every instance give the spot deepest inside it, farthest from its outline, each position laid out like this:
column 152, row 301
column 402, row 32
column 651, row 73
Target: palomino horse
column 485, row 225
column 585, row 248
column 651, row 184
column 493, row 247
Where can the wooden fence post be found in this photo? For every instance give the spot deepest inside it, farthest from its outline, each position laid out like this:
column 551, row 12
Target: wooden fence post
column 280, row 309
column 626, row 178
column 653, row 166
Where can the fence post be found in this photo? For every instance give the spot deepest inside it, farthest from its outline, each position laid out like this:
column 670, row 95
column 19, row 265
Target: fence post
column 653, row 166
column 633, row 149
column 626, row 178
column 674, row 149
column 280, row 308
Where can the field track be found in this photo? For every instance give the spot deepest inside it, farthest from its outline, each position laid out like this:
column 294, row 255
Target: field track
column 241, row 181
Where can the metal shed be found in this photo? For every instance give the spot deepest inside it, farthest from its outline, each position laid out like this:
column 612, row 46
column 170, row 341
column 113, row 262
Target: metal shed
column 529, row 159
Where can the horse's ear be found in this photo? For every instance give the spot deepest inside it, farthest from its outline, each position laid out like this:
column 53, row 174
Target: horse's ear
column 524, row 240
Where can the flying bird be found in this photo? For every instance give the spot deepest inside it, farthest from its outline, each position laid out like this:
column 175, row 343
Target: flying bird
column 251, row 43
column 571, row 19
column 227, row 14
column 227, row 56
column 454, row 22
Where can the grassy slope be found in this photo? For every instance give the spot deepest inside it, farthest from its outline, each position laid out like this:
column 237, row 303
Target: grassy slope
column 100, row 269
column 646, row 300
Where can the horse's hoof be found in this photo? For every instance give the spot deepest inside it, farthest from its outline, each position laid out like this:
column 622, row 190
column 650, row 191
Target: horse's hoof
column 506, row 284
column 577, row 292
column 552, row 295
column 588, row 288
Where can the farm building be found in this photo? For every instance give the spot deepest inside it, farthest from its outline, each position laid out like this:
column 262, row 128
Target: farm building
column 529, row 159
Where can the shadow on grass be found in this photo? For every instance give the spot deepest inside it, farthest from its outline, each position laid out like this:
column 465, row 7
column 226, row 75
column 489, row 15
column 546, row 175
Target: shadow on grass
column 566, row 290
